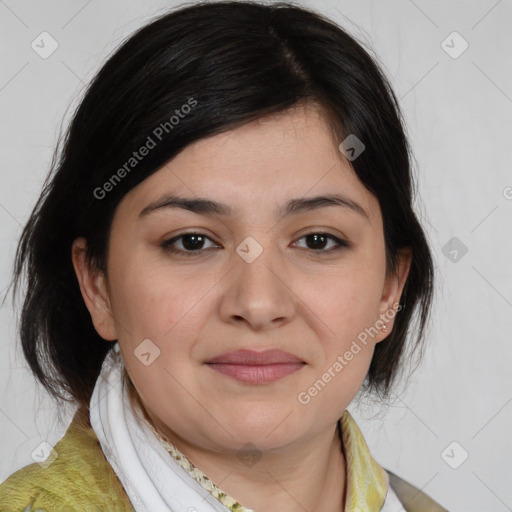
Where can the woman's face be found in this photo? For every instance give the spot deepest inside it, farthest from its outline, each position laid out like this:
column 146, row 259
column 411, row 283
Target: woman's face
column 253, row 277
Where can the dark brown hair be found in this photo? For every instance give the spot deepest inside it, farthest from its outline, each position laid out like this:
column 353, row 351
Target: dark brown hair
column 238, row 61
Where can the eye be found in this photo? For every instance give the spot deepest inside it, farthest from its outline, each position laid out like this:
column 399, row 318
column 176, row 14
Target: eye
column 191, row 243
column 317, row 242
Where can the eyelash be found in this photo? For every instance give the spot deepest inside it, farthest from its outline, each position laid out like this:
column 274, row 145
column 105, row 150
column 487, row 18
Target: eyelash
column 167, row 245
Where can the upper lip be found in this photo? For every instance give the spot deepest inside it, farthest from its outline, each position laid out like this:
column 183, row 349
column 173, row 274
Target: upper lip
column 252, row 357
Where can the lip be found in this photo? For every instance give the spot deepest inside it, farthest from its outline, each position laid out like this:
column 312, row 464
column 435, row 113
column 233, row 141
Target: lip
column 256, row 367
column 253, row 357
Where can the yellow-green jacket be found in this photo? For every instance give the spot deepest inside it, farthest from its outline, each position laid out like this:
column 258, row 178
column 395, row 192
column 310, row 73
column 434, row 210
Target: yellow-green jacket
column 80, row 479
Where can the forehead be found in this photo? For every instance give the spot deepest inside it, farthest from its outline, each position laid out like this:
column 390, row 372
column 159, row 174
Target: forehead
column 262, row 163
column 281, row 144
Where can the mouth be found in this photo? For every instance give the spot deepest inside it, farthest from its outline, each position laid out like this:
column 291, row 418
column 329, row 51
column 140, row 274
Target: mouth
column 254, row 367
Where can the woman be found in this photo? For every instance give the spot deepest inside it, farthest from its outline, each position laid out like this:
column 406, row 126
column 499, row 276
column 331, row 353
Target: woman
column 225, row 254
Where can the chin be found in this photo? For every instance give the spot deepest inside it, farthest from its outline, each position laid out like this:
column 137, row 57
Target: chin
column 266, row 429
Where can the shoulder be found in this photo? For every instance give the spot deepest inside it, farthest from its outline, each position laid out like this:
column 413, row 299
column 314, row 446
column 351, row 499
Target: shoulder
column 77, row 476
column 412, row 498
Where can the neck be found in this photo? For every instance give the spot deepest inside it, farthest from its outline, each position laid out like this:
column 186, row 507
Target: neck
column 307, row 477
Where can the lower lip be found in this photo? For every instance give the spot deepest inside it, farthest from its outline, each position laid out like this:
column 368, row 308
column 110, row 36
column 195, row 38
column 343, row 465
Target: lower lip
column 256, row 374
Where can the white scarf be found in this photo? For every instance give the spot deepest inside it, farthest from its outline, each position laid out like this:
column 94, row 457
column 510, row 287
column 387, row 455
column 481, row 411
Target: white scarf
column 151, row 477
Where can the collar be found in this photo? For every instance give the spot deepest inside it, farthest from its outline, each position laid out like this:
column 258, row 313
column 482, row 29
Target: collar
column 367, row 481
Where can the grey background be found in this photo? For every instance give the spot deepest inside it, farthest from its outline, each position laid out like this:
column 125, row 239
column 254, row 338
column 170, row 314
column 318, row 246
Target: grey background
column 459, row 117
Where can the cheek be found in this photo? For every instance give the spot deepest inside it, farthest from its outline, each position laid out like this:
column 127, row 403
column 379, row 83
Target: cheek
column 346, row 305
column 345, row 300
column 171, row 311
column 153, row 301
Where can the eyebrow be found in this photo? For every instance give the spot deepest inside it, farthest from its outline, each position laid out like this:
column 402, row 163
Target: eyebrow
column 203, row 206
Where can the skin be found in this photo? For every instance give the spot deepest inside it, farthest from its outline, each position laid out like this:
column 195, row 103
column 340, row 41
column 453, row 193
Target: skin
column 293, row 297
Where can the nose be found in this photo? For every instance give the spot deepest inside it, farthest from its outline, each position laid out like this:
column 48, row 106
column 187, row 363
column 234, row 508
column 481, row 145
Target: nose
column 258, row 293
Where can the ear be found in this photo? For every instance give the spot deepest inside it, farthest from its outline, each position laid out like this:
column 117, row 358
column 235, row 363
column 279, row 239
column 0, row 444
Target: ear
column 93, row 286
column 391, row 293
